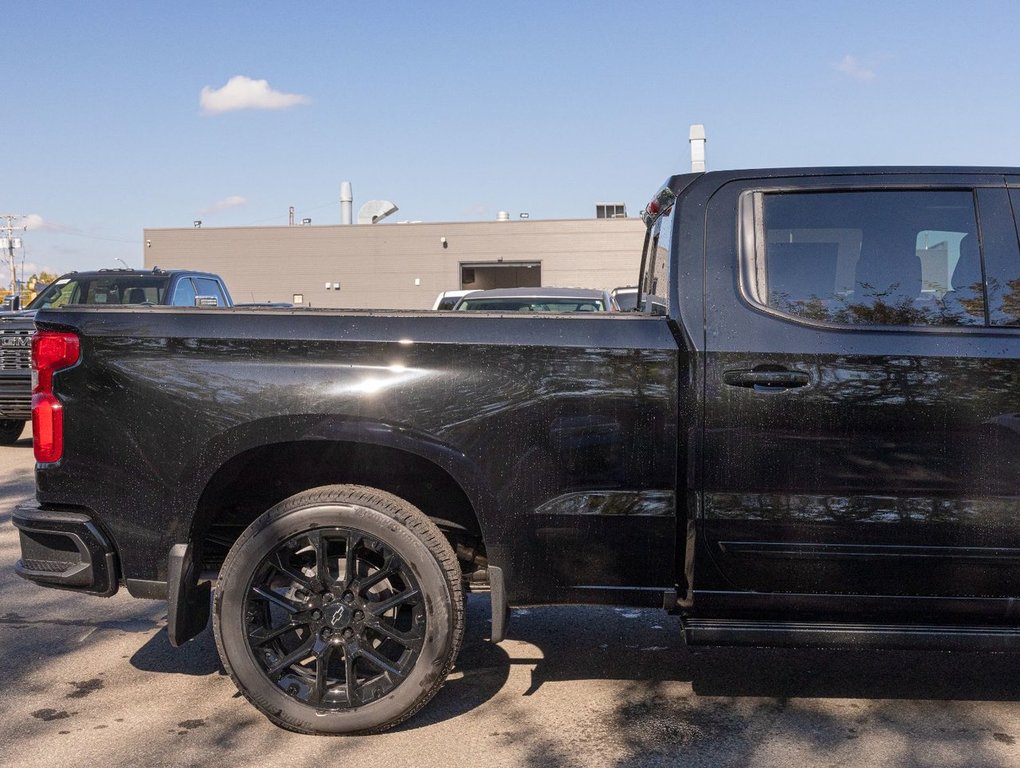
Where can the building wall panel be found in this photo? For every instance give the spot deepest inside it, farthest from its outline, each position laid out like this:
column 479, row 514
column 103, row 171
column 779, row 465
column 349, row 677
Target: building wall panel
column 395, row 266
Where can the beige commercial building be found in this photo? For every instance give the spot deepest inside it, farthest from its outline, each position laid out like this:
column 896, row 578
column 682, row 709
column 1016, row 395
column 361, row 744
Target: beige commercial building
column 402, row 266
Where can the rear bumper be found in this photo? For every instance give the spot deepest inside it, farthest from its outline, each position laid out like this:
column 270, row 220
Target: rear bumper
column 64, row 550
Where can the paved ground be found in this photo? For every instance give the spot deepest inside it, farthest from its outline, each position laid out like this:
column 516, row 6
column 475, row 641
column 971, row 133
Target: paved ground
column 93, row 681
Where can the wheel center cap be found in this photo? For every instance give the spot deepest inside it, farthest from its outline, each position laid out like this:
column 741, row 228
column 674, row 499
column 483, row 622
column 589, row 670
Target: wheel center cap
column 339, row 617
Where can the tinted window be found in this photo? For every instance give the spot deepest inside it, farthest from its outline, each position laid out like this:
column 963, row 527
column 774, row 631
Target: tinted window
column 209, row 287
column 655, row 278
column 184, row 296
column 57, row 294
column 1002, row 257
column 103, row 289
column 870, row 257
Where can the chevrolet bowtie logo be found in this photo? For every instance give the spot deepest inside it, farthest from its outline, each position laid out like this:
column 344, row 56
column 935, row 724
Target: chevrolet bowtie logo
column 338, row 616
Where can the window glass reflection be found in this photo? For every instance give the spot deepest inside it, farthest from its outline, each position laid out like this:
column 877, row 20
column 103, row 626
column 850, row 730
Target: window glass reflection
column 872, row 257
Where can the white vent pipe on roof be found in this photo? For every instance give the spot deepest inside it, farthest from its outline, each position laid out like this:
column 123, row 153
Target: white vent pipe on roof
column 346, row 202
column 697, row 139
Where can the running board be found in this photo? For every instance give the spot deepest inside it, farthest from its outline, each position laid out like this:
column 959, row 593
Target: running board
column 831, row 635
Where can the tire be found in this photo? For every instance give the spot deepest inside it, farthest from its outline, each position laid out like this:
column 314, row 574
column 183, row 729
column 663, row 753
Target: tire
column 339, row 611
column 10, row 431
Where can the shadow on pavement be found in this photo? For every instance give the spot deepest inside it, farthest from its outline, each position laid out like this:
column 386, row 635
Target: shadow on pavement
column 856, row 674
column 481, row 671
column 196, row 657
column 640, row 647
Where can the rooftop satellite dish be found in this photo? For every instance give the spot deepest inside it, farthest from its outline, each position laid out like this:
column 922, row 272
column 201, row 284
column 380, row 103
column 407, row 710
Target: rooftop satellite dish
column 375, row 211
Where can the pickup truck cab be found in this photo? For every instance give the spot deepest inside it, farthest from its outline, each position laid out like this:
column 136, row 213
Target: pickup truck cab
column 813, row 442
column 176, row 288
column 106, row 287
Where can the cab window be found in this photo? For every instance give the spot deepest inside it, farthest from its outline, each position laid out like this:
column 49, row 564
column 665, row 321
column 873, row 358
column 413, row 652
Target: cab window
column 184, row 295
column 208, row 287
column 655, row 279
column 873, row 257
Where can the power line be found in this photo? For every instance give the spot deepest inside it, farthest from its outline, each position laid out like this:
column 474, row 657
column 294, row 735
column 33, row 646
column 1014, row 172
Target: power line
column 10, row 243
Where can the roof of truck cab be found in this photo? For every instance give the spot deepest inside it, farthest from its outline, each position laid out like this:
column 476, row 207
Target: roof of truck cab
column 854, row 170
column 135, row 273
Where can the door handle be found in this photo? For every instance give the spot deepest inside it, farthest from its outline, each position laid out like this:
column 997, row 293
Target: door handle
column 766, row 379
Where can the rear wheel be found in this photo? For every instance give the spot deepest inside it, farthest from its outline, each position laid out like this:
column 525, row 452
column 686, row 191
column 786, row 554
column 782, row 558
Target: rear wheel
column 10, row 431
column 339, row 611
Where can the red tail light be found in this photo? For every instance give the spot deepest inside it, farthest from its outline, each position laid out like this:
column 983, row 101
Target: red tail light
column 51, row 351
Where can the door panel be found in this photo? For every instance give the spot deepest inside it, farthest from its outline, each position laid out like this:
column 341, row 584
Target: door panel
column 859, row 428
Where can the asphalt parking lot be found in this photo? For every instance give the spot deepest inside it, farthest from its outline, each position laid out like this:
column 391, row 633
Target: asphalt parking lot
column 95, row 681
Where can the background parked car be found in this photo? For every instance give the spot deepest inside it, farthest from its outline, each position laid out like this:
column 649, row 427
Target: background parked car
column 626, row 298
column 182, row 288
column 449, row 299
column 177, row 288
column 538, row 300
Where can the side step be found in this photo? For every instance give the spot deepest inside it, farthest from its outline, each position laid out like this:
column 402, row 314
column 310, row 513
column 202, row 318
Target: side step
column 833, row 635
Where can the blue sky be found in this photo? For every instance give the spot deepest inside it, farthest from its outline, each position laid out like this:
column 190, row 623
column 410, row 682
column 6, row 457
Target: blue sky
column 457, row 110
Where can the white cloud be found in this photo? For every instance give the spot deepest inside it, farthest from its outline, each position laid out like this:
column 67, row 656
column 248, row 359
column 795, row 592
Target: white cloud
column 242, row 92
column 234, row 201
column 853, row 67
column 33, row 222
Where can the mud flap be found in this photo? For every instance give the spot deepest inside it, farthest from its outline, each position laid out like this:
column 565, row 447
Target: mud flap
column 188, row 601
column 500, row 609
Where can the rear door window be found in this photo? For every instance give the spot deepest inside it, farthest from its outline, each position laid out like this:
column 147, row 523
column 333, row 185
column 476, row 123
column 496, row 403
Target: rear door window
column 873, row 257
column 209, row 287
column 184, row 295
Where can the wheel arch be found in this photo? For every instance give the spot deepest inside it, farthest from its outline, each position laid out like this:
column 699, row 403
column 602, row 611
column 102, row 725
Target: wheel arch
column 240, row 468
column 428, row 473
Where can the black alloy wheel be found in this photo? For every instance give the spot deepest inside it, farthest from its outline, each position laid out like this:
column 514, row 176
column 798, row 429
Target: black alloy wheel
column 339, row 611
column 335, row 618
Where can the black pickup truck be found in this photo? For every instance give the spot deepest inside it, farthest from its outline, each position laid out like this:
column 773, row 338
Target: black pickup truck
column 817, row 443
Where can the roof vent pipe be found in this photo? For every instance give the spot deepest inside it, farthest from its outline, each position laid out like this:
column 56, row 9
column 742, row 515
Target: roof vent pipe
column 697, row 139
column 346, row 202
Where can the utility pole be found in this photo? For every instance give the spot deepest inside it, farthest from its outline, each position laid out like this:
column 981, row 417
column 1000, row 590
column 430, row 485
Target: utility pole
column 10, row 242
